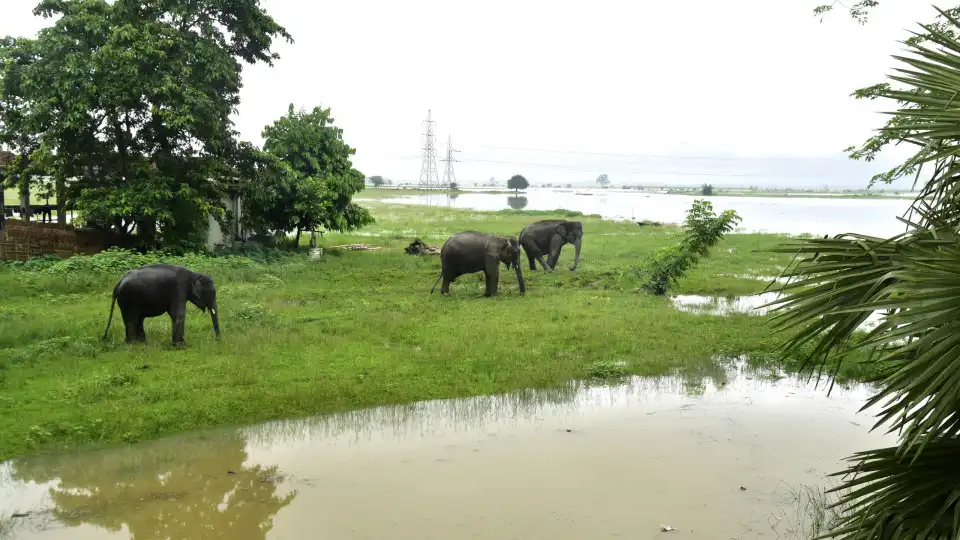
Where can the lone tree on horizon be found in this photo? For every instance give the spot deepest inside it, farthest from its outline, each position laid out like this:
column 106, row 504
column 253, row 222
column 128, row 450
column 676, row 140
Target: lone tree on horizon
column 517, row 182
column 603, row 180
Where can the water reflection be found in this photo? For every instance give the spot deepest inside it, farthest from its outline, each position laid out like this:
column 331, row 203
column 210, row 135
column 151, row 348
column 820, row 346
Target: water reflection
column 755, row 304
column 188, row 487
column 789, row 215
column 580, row 461
column 517, row 203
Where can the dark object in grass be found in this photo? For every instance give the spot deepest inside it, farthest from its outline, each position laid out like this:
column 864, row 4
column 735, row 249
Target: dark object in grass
column 418, row 247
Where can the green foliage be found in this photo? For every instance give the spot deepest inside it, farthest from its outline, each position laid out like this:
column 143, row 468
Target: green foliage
column 517, row 182
column 377, row 181
column 702, row 230
column 603, row 180
column 303, row 179
column 706, row 190
column 133, row 102
column 908, row 491
column 857, row 10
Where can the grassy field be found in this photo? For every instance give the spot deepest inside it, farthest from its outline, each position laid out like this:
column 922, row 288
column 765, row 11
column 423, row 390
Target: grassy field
column 354, row 329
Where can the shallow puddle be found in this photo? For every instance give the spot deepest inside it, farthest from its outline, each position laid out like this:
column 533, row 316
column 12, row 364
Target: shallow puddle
column 754, row 304
column 714, row 457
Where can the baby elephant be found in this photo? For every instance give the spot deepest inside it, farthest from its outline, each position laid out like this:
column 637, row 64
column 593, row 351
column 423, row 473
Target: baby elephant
column 155, row 289
column 471, row 251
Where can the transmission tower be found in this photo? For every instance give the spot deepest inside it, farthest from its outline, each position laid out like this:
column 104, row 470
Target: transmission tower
column 448, row 177
column 428, row 170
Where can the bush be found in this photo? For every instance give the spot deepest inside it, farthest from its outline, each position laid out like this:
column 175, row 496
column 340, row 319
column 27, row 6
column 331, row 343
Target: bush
column 702, row 230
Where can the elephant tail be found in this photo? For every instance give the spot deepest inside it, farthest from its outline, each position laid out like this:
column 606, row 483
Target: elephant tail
column 113, row 302
column 435, row 282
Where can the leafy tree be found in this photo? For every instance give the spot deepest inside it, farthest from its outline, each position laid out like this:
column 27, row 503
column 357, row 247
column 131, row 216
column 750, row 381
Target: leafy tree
column 377, row 181
column 706, row 190
column 910, row 490
column 517, row 182
column 303, row 178
column 603, row 180
column 454, row 186
column 133, row 100
column 702, row 230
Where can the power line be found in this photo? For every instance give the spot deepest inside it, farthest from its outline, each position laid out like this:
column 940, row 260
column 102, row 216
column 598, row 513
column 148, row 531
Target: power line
column 449, row 178
column 615, row 169
column 428, row 168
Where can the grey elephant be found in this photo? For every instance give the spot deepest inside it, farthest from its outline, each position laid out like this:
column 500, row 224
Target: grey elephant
column 149, row 291
column 472, row 251
column 548, row 237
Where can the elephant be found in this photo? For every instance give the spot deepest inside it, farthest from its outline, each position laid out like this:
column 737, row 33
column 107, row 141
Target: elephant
column 549, row 236
column 472, row 251
column 149, row 291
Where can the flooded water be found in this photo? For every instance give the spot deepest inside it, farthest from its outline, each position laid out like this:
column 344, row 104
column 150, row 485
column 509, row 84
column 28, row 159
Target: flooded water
column 714, row 455
column 788, row 215
column 755, row 304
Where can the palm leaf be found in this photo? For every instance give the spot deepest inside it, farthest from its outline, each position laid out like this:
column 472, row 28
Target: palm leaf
column 887, row 498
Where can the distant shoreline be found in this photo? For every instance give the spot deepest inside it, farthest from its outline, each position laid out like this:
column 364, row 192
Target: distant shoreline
column 381, row 193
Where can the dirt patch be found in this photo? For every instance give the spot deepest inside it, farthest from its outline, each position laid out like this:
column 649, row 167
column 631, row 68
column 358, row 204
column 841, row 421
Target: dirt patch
column 359, row 247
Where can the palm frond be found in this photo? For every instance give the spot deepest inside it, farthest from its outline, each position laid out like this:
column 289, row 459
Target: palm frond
column 884, row 497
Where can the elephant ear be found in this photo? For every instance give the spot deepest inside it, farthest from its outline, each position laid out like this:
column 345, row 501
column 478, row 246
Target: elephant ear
column 196, row 286
column 562, row 230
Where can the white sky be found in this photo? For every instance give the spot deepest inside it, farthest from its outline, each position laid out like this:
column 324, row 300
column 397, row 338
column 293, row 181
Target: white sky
column 668, row 83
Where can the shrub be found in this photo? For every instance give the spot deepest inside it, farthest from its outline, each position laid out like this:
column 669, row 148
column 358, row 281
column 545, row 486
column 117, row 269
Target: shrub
column 702, row 230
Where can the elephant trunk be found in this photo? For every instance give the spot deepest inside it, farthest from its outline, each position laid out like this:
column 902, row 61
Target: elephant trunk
column 576, row 256
column 523, row 286
column 215, row 317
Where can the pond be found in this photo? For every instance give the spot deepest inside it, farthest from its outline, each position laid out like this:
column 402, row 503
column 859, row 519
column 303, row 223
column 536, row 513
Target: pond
column 787, row 215
column 713, row 454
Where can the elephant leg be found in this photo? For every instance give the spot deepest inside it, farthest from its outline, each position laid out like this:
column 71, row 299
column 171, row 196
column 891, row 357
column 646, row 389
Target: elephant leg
column 554, row 257
column 547, row 267
column 130, row 327
column 141, row 332
column 533, row 262
column 177, row 322
column 493, row 281
column 445, row 286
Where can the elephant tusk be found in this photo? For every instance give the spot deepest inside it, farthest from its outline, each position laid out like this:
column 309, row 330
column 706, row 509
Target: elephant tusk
column 213, row 311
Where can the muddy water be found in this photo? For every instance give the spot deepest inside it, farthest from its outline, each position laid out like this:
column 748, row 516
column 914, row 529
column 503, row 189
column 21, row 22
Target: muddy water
column 714, row 457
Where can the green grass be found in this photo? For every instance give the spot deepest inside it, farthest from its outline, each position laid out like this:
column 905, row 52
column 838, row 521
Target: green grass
column 12, row 197
column 355, row 329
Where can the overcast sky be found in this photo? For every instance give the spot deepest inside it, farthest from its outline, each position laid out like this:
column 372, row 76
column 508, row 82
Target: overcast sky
column 744, row 92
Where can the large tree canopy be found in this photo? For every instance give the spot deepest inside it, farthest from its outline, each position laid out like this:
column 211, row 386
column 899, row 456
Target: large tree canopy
column 132, row 98
column 304, row 177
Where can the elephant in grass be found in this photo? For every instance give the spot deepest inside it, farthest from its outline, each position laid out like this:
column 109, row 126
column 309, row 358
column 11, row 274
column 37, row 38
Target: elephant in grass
column 549, row 236
column 472, row 251
column 149, row 291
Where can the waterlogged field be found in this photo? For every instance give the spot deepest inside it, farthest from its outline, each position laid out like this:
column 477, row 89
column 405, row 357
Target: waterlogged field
column 354, row 329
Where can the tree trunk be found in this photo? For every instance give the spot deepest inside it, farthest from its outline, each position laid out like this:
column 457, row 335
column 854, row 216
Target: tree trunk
column 296, row 242
column 3, row 213
column 24, row 198
column 61, row 190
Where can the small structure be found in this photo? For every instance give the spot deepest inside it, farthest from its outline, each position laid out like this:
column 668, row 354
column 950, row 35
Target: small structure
column 232, row 231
